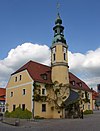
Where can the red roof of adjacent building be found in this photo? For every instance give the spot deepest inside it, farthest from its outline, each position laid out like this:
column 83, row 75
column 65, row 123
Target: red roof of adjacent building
column 36, row 70
column 95, row 95
column 2, row 94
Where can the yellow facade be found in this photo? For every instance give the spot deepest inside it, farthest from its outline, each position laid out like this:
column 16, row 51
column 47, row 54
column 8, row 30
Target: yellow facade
column 14, row 91
column 59, row 65
column 51, row 110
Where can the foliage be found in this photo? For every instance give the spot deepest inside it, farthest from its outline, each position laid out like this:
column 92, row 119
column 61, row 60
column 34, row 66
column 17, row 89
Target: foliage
column 88, row 112
column 86, row 100
column 7, row 114
column 18, row 113
column 58, row 93
column 38, row 98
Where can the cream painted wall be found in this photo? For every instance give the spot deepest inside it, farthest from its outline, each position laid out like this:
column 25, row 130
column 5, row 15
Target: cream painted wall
column 59, row 66
column 17, row 88
column 59, row 73
column 59, row 53
column 25, row 79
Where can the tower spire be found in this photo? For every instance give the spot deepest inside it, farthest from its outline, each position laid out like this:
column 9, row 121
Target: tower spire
column 58, row 6
column 58, row 29
column 59, row 55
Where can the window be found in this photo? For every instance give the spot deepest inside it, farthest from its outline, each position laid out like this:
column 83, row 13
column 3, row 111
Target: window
column 39, row 91
column 24, row 91
column 43, row 107
column 65, row 50
column 44, row 76
column 64, row 56
column 83, row 107
column 80, row 84
column 73, row 83
column 82, row 95
column 11, row 94
column 58, row 111
column 54, row 57
column 23, row 107
column 20, row 77
column 43, row 91
column 88, row 96
column 88, row 107
column 16, row 79
column 54, row 50
column 14, row 107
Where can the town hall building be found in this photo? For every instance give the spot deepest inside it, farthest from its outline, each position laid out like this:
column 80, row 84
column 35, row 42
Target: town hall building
column 49, row 91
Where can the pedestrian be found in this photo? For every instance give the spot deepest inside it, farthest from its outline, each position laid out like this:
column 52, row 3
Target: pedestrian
column 81, row 114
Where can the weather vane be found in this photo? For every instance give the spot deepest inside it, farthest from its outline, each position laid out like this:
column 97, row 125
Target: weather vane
column 58, row 6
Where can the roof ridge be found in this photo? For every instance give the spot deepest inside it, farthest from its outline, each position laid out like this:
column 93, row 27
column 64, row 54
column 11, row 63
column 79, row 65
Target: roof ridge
column 27, row 65
column 39, row 63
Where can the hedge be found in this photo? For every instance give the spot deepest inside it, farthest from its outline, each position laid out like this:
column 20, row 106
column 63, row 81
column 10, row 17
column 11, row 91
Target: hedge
column 88, row 112
column 18, row 113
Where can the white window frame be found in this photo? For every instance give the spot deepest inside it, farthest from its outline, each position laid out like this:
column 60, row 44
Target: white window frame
column 44, row 91
column 24, row 92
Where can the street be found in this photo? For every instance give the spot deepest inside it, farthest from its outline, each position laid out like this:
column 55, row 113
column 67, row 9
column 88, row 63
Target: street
column 89, row 123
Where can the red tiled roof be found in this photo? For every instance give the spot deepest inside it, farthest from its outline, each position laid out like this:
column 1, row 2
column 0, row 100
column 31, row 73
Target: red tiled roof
column 2, row 99
column 77, row 81
column 36, row 70
column 95, row 95
column 2, row 94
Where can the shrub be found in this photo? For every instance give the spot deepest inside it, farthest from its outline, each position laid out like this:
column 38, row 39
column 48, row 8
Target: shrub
column 7, row 114
column 88, row 112
column 18, row 113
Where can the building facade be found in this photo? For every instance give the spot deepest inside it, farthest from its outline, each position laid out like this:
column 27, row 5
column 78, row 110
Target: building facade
column 47, row 91
column 2, row 99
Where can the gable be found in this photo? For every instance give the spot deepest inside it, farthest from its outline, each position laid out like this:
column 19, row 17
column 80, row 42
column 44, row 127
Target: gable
column 37, row 71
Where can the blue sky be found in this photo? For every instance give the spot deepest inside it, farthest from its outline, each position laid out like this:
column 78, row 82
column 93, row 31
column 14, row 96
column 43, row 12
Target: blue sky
column 32, row 21
column 23, row 22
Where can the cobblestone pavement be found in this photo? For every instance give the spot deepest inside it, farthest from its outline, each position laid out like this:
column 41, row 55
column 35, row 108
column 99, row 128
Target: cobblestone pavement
column 89, row 123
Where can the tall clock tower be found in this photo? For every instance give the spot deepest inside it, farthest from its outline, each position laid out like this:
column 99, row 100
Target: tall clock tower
column 59, row 54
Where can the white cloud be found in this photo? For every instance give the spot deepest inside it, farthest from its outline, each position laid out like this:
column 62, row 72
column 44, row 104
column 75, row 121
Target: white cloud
column 21, row 55
column 86, row 66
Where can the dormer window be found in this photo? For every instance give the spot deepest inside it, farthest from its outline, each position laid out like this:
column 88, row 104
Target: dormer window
column 44, row 76
column 73, row 83
column 80, row 84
